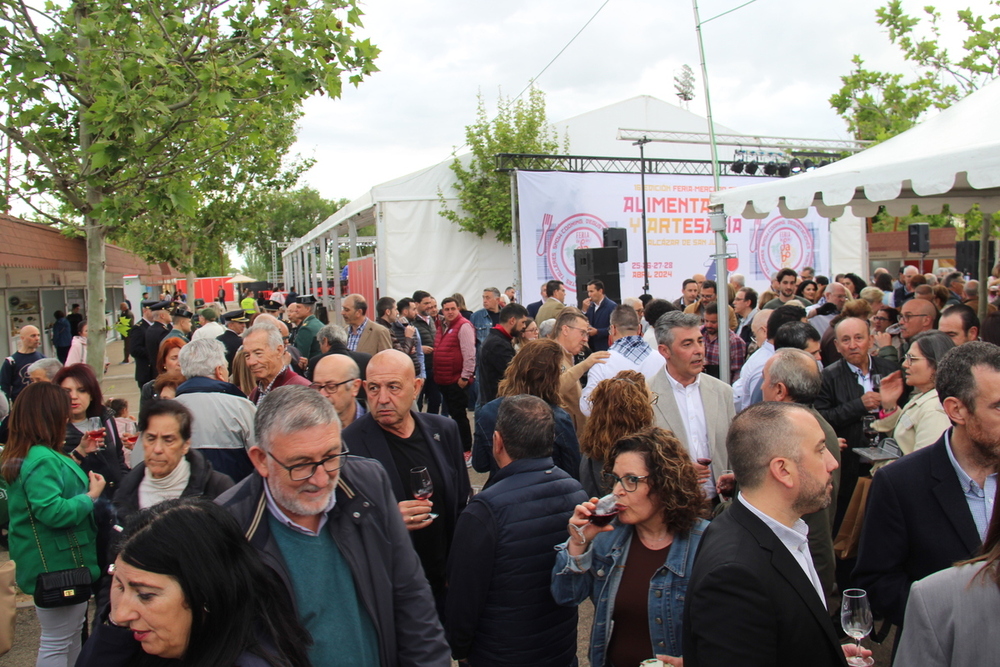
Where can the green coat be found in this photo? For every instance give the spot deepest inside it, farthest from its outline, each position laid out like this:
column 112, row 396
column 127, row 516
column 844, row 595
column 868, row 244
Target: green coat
column 56, row 487
column 305, row 337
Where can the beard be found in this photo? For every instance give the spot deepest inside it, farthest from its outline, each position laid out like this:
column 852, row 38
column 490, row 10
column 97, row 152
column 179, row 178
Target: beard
column 292, row 500
column 813, row 496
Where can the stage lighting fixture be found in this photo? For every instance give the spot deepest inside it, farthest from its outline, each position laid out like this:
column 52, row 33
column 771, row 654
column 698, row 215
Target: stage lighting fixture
column 824, row 163
column 752, row 168
column 784, row 170
column 737, row 167
column 770, row 169
column 795, row 165
column 809, row 165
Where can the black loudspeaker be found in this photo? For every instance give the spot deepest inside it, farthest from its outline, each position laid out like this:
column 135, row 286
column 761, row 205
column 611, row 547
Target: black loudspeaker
column 920, row 237
column 614, row 237
column 967, row 257
column 597, row 264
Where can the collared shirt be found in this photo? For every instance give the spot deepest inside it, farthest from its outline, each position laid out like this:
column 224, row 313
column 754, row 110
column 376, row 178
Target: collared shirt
column 633, row 348
column 692, row 410
column 746, row 321
column 750, row 375
column 737, row 353
column 796, row 540
column 354, row 335
column 278, row 514
column 270, row 385
column 980, row 499
column 864, row 380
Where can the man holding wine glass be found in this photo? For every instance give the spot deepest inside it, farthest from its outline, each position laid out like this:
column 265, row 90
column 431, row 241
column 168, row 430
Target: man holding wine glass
column 755, row 597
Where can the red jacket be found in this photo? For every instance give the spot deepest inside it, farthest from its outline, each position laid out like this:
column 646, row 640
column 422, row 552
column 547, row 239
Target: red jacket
column 448, row 359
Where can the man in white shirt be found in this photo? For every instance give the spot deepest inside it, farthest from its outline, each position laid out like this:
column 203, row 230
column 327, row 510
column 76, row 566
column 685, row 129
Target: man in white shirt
column 696, row 407
column 209, row 327
column 756, row 554
column 629, row 352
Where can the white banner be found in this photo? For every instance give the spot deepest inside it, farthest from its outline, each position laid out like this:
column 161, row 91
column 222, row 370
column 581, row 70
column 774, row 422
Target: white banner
column 560, row 212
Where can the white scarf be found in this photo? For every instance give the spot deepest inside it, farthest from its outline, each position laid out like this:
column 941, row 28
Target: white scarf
column 152, row 490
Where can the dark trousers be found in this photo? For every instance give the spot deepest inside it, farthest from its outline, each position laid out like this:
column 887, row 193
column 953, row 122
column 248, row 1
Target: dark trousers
column 458, row 402
column 431, row 396
column 62, row 353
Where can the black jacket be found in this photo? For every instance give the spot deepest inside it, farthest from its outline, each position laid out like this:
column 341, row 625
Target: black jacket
column 500, row 568
column 137, row 348
column 428, row 334
column 917, row 522
column 336, row 347
column 368, row 529
column 203, row 482
column 110, row 461
column 154, row 336
column 750, row 604
column 495, row 355
column 232, row 341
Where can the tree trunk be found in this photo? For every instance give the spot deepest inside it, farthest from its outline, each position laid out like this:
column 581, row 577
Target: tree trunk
column 97, row 330
column 190, row 276
column 984, row 267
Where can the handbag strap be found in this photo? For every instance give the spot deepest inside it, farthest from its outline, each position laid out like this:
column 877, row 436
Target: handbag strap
column 74, row 545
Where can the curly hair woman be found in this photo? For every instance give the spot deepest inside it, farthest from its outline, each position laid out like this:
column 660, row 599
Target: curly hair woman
column 619, row 405
column 636, row 568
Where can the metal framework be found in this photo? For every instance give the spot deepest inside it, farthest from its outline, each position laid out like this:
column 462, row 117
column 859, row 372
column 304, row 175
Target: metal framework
column 789, row 144
column 606, row 165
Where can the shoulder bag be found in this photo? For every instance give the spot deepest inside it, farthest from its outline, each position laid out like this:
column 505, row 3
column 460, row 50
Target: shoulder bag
column 61, row 588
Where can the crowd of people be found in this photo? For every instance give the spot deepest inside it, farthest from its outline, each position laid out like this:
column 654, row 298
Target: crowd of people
column 297, row 493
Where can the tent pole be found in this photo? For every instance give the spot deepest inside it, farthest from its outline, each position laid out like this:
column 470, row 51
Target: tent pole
column 984, row 266
column 515, row 234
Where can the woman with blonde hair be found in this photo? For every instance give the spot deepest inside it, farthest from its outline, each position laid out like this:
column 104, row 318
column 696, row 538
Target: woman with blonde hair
column 619, row 405
column 533, row 371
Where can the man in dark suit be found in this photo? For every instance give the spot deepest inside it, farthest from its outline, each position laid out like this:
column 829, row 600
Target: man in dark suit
column 931, row 508
column 755, row 597
column 333, row 340
column 849, row 393
column 155, row 334
column 598, row 313
column 137, row 345
column 402, row 439
column 236, row 324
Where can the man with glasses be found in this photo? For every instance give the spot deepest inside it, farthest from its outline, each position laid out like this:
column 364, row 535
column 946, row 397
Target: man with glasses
column 917, row 315
column 401, row 439
column 338, row 378
column 745, row 305
column 572, row 332
column 322, row 521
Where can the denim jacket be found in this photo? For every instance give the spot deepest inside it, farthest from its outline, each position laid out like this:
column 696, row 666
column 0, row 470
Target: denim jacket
column 598, row 571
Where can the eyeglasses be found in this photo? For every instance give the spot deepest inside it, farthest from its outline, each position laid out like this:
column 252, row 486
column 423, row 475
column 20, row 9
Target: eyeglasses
column 906, row 317
column 300, row 472
column 880, row 318
column 910, row 358
column 577, row 329
column 329, row 387
column 629, row 482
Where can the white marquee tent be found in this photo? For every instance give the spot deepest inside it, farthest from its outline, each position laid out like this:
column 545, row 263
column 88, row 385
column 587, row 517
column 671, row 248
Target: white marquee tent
column 952, row 158
column 426, row 251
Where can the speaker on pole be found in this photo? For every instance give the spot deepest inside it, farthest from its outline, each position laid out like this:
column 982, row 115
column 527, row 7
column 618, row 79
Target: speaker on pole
column 597, row 264
column 967, row 257
column 920, row 237
column 614, row 237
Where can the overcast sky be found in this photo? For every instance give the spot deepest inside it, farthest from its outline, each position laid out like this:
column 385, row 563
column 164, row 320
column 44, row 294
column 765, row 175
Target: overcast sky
column 772, row 67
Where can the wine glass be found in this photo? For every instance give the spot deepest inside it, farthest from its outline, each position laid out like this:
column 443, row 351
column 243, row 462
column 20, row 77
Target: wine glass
column 605, row 511
column 856, row 619
column 129, row 431
column 868, row 425
column 94, row 429
column 422, row 485
column 729, row 490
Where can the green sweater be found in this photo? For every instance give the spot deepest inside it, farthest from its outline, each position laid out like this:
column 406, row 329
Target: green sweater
column 327, row 602
column 56, row 489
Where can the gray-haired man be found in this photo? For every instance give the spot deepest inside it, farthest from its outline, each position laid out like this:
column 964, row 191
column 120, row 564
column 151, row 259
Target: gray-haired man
column 223, row 417
column 327, row 524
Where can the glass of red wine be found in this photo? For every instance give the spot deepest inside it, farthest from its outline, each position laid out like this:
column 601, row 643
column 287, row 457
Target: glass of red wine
column 422, row 485
column 728, row 489
column 95, row 430
column 605, row 511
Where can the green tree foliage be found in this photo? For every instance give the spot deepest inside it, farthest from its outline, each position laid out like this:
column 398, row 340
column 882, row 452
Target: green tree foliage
column 484, row 193
column 880, row 105
column 122, row 108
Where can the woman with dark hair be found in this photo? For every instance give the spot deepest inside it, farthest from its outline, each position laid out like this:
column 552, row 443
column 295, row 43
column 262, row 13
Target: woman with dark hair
column 951, row 615
column 189, row 590
column 619, row 406
column 922, row 420
column 167, row 359
column 648, row 547
column 883, row 281
column 51, row 505
column 534, row 371
column 854, row 284
column 106, row 456
column 528, row 333
column 808, row 290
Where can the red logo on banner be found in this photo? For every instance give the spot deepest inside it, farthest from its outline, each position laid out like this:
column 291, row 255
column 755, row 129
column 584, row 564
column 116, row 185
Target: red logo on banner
column 580, row 230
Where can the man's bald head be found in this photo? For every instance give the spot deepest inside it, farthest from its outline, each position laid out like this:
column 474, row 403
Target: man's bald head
column 266, row 318
column 30, row 339
column 337, row 377
column 340, row 366
column 392, row 361
column 918, row 315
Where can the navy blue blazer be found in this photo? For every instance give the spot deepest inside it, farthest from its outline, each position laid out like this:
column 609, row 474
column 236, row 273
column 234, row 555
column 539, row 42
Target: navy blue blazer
column 600, row 318
column 366, row 438
column 917, row 522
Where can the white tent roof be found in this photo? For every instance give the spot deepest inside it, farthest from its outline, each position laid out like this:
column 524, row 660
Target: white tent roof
column 952, row 158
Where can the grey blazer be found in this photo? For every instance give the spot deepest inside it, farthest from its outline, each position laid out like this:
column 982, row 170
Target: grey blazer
column 950, row 622
column 716, row 396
